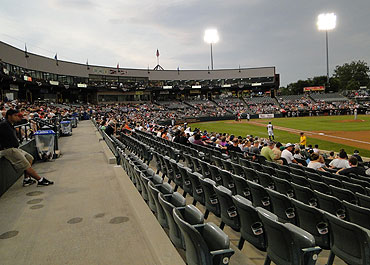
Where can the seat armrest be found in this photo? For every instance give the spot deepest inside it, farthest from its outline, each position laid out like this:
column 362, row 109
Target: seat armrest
column 222, row 256
column 302, row 238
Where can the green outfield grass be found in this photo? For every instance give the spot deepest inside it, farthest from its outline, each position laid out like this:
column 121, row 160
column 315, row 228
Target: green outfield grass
column 323, row 123
column 304, row 123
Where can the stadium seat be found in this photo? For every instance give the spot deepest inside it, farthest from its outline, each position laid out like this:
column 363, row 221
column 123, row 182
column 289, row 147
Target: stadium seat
column 300, row 180
column 164, row 188
column 269, row 170
column 205, row 169
column 330, row 204
column 238, row 169
column 314, row 176
column 256, row 166
column 343, row 194
column 198, row 194
column 211, row 201
column 265, row 180
column 304, row 194
column 283, row 186
column 283, row 167
column 348, row 241
column 354, row 187
column 250, row 224
column 363, row 200
column 287, row 243
column 283, row 174
column 331, row 181
column 205, row 244
column 215, row 174
column 260, row 197
column 187, row 185
column 357, row 214
column 250, row 174
column 229, row 214
column 241, row 186
column 228, row 181
column 319, row 186
column 312, row 220
column 297, row 171
column 282, row 207
column 168, row 203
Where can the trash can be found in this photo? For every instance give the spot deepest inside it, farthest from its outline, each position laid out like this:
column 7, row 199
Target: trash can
column 73, row 122
column 45, row 144
column 66, row 127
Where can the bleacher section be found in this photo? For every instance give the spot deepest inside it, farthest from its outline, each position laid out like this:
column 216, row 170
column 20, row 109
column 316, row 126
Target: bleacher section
column 286, row 203
column 329, row 97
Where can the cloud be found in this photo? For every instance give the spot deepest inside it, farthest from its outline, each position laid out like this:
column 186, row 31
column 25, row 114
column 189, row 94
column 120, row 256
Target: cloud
column 253, row 33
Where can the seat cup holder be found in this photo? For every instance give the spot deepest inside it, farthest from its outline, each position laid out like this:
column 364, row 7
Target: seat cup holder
column 232, row 212
column 231, row 185
column 265, row 201
column 290, row 193
column 312, row 202
column 187, row 182
column 178, row 176
column 341, row 213
column 257, row 228
column 290, row 213
column 322, row 228
column 246, row 193
column 199, row 190
column 213, row 201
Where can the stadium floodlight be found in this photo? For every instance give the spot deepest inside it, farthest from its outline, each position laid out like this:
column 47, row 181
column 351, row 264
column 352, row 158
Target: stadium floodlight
column 327, row 22
column 211, row 37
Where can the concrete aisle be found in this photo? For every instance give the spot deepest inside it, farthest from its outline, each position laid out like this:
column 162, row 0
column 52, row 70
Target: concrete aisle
column 84, row 218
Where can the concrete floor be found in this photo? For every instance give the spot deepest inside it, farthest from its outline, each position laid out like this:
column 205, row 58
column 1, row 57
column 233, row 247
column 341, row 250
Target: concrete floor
column 86, row 217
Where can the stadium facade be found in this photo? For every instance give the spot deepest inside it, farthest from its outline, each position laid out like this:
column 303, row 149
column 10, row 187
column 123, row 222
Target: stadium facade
column 31, row 77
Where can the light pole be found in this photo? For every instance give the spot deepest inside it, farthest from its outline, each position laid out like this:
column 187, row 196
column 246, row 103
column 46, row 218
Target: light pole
column 211, row 37
column 327, row 22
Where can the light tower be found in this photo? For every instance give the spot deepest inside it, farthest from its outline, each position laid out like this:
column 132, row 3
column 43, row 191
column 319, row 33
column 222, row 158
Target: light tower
column 211, row 37
column 327, row 22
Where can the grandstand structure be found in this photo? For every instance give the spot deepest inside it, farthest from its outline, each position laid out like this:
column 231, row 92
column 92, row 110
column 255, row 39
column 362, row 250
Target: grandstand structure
column 33, row 77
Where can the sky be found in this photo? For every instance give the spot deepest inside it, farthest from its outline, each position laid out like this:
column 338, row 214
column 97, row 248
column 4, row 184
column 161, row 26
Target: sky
column 253, row 33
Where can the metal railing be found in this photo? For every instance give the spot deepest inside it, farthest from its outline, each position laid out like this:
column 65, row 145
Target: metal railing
column 24, row 132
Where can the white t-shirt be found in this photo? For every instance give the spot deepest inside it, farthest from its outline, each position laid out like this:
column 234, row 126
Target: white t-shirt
column 315, row 165
column 339, row 163
column 287, row 155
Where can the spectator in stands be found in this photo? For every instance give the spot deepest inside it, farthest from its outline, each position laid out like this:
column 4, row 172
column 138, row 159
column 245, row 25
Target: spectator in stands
column 356, row 154
column 297, row 154
column 198, row 140
column 331, row 155
column 254, row 149
column 316, row 162
column 21, row 160
column 110, row 129
column 303, row 140
column 354, row 168
column 316, row 149
column 235, row 146
column 267, row 151
column 340, row 162
column 287, row 154
column 277, row 153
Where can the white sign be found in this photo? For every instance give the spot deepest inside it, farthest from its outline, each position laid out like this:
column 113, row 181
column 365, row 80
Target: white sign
column 54, row 83
column 82, row 85
column 266, row 116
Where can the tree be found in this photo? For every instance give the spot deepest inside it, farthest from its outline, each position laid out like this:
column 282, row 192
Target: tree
column 352, row 75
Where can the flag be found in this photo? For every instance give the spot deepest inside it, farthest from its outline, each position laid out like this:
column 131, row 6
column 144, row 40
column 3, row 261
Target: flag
column 157, row 54
column 25, row 51
column 87, row 64
column 118, row 66
column 178, row 69
column 56, row 58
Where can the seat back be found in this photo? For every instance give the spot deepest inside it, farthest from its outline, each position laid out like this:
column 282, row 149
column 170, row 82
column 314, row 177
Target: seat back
column 265, row 180
column 227, row 181
column 319, row 186
column 300, row 180
column 197, row 251
column 260, row 197
column 164, row 188
column 168, row 203
column 282, row 207
column 343, row 194
column 283, row 186
column 304, row 194
column 363, row 200
column 250, row 223
column 283, row 174
column 229, row 214
column 210, row 197
column 357, row 214
column 330, row 204
column 197, row 192
column 250, row 174
column 349, row 241
column 312, row 220
column 286, row 241
column 354, row 187
column 241, row 186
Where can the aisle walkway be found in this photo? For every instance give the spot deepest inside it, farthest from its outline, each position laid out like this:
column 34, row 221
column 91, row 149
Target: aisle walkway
column 85, row 218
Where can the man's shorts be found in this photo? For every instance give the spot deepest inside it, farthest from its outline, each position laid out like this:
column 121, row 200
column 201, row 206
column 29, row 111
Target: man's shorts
column 20, row 159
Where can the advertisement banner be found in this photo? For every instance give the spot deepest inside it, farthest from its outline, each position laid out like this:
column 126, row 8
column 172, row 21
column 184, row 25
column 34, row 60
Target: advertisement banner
column 266, row 116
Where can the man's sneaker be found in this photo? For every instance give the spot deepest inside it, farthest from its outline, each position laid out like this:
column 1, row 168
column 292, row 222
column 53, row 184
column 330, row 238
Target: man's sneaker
column 28, row 182
column 44, row 182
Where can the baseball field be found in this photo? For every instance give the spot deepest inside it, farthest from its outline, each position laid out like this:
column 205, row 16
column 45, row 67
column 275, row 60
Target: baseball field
column 331, row 133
